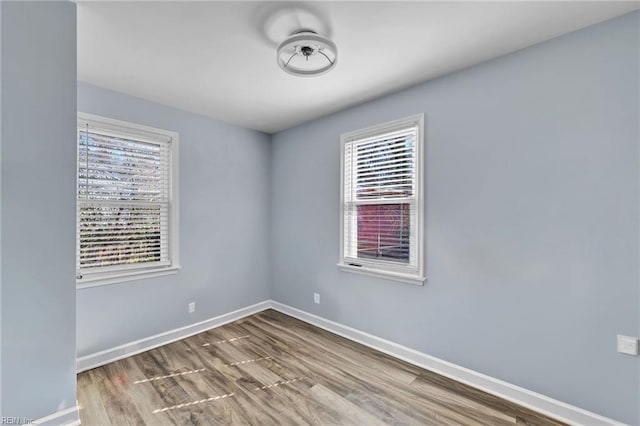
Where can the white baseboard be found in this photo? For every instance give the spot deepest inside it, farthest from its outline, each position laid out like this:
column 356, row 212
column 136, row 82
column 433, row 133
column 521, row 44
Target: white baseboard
column 67, row 417
column 97, row 359
column 553, row 408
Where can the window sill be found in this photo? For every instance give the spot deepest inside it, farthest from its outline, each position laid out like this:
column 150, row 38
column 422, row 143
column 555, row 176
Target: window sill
column 389, row 275
column 120, row 277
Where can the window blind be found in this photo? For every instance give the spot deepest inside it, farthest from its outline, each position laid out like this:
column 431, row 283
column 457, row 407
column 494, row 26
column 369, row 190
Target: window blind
column 379, row 198
column 123, row 201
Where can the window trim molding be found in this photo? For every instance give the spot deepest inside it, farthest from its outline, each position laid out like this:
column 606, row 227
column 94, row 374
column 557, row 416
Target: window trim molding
column 105, row 278
column 367, row 266
column 145, row 133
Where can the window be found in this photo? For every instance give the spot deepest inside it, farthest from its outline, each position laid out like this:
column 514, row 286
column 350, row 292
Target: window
column 126, row 225
column 382, row 208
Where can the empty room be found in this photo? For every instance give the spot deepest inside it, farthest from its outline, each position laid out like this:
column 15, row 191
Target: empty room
column 319, row 213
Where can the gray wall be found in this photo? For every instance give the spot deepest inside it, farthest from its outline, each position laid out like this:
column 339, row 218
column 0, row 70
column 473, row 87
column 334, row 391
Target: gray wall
column 0, row 208
column 224, row 186
column 531, row 220
column 38, row 154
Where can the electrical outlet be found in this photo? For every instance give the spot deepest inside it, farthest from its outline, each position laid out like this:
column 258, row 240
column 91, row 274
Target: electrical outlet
column 316, row 298
column 192, row 307
column 627, row 345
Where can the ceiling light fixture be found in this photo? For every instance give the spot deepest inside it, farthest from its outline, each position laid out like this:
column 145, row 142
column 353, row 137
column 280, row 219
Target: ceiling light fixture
column 306, row 53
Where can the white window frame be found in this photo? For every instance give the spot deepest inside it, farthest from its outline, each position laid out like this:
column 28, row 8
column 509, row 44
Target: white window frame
column 123, row 273
column 380, row 268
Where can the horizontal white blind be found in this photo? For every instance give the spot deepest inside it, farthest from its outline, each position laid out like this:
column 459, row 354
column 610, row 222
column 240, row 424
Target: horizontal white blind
column 379, row 197
column 123, row 200
column 114, row 168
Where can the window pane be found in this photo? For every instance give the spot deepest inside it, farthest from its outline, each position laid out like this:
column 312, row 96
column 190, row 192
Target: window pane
column 111, row 168
column 385, row 168
column 121, row 235
column 384, row 231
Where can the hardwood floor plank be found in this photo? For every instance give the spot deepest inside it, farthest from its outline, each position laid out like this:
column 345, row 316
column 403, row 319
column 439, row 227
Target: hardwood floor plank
column 521, row 414
column 458, row 403
column 155, row 394
column 393, row 414
column 271, row 369
column 112, row 388
column 351, row 413
column 89, row 399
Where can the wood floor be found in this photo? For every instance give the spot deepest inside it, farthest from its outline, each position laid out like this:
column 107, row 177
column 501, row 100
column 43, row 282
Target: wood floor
column 271, row 369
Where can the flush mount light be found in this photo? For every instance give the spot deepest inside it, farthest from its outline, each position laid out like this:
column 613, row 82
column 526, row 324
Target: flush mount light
column 307, row 54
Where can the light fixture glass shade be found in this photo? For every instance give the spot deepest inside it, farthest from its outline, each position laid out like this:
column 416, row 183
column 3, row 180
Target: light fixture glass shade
column 307, row 54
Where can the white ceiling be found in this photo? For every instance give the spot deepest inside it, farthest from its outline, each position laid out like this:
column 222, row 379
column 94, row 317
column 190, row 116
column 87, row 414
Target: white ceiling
column 218, row 58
